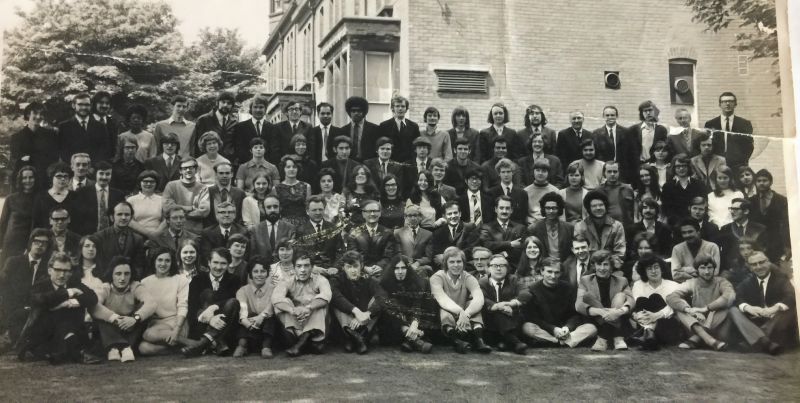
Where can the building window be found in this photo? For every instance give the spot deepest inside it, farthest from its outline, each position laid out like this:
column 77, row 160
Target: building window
column 275, row 6
column 743, row 65
column 681, row 81
column 463, row 80
column 378, row 81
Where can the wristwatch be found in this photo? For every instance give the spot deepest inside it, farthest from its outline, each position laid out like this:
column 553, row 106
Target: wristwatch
column 137, row 317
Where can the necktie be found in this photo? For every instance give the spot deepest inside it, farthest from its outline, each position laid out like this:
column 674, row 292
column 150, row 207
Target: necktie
column 497, row 287
column 476, row 214
column 317, row 227
column 453, row 233
column 215, row 284
column 613, row 143
column 294, row 128
column 177, row 242
column 122, row 240
column 581, row 266
column 356, row 137
column 508, row 190
column 223, row 195
column 258, row 127
column 383, row 169
column 324, row 143
column 402, row 125
column 226, row 234
column 272, row 235
column 169, row 164
column 725, row 135
column 420, row 166
column 414, row 233
column 33, row 264
column 83, row 125
column 763, row 293
column 102, row 217
column 505, row 227
column 740, row 230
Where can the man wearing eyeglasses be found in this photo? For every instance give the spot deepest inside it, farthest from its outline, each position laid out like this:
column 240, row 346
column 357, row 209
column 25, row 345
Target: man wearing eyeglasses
column 736, row 148
column 742, row 227
column 285, row 130
column 64, row 240
column 83, row 134
column 373, row 240
column 190, row 195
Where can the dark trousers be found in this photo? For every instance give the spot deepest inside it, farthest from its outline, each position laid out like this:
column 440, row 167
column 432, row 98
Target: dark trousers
column 263, row 335
column 113, row 336
column 781, row 328
column 59, row 333
column 668, row 330
column 230, row 308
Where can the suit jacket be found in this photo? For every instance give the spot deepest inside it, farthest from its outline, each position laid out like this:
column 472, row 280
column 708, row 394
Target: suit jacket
column 514, row 143
column 635, row 137
column 589, row 292
column 466, row 237
column 548, row 135
column 663, row 236
column 165, row 239
column 568, row 272
column 393, row 167
column 377, row 250
column 487, row 206
column 568, row 146
column 703, row 172
column 739, row 148
column 556, row 175
column 565, row 232
column 447, row 192
column 86, row 217
column 499, row 241
column 209, row 122
column 729, row 240
column 94, row 140
column 282, row 136
column 779, row 289
column 605, row 150
column 342, row 175
column 411, row 174
column 370, row 133
column 211, row 237
column 202, row 295
column 677, row 144
column 472, row 135
column 403, row 141
column 165, row 175
column 243, row 133
column 108, row 247
column 41, row 148
column 776, row 218
column 314, row 142
column 259, row 238
column 419, row 249
column 236, row 197
column 16, row 281
column 454, row 175
column 611, row 237
column 321, row 245
column 519, row 201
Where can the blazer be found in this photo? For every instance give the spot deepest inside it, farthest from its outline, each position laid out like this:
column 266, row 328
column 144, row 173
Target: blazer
column 321, row 245
column 236, row 197
column 702, row 172
column 16, row 281
column 499, row 241
column 635, row 137
column 776, row 217
column 611, row 237
column 209, row 122
column 342, row 175
column 466, row 237
column 514, row 143
column 565, row 232
column 108, row 247
column 165, row 239
column 677, row 145
column 472, row 136
column 779, row 290
column 377, row 250
column 663, row 236
column 519, row 201
column 314, row 142
column 85, row 218
column 165, row 175
column 419, row 249
column 512, row 288
column 393, row 167
column 548, row 136
column 281, row 137
column 211, row 237
column 739, row 148
column 487, row 206
column 568, row 146
column 682, row 257
column 202, row 295
column 403, row 141
column 259, row 238
column 72, row 139
column 555, row 177
column 243, row 133
column 370, row 133
column 729, row 241
column 568, row 272
column 41, row 148
column 589, row 292
column 624, row 155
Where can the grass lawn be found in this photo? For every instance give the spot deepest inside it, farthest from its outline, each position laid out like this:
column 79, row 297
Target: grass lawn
column 389, row 375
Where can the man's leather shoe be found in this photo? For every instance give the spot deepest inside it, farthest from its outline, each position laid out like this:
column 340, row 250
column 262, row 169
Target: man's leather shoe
column 317, row 347
column 480, row 346
column 520, row 348
column 222, row 349
column 422, row 346
column 461, row 346
column 89, row 358
column 358, row 341
column 406, row 347
column 196, row 350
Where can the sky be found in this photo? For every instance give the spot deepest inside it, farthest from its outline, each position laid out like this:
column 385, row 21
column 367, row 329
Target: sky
column 250, row 17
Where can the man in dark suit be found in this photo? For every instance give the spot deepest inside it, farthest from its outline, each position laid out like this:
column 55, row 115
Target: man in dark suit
column 315, row 236
column 84, row 134
column 552, row 207
column 475, row 203
column 503, row 235
column 503, row 298
column 362, row 134
column 498, row 118
column 421, row 162
column 249, row 129
column 771, row 210
column 525, row 164
column 399, row 130
column 95, row 202
column 490, row 174
column 373, row 240
column 651, row 225
column 456, row 233
column 120, row 240
column 58, row 306
column 519, row 198
column 224, row 191
column 101, row 112
column 741, row 227
column 536, row 124
column 175, row 234
column 213, row 307
column 576, row 265
column 217, row 236
column 64, row 240
column 685, row 141
column 34, row 144
column 765, row 307
column 612, row 143
column 568, row 144
column 736, row 148
column 266, row 234
column 413, row 241
column 19, row 274
column 384, row 165
column 319, row 138
column 643, row 136
column 709, row 231
column 439, row 170
column 343, row 165
column 166, row 165
column 457, row 168
column 219, row 120
column 285, row 130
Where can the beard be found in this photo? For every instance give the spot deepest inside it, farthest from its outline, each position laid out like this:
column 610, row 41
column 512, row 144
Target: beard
column 273, row 217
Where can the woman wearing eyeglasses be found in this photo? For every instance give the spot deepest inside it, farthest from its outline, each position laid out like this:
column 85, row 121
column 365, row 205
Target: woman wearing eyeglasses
column 58, row 195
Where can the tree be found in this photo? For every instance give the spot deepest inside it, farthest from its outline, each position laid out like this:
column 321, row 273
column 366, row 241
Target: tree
column 127, row 48
column 757, row 15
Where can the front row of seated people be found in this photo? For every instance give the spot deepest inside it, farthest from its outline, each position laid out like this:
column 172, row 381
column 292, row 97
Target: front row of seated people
column 214, row 314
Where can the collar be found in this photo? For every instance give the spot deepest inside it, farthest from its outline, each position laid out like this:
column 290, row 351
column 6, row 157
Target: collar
column 723, row 117
column 166, row 156
column 101, row 119
column 510, row 186
column 765, row 279
column 471, row 193
column 648, row 223
column 255, row 121
column 222, row 230
column 211, row 276
column 221, row 188
column 172, row 120
column 496, row 283
column 79, row 119
column 97, row 187
column 220, row 117
column 171, row 233
column 256, row 164
column 371, row 228
column 610, row 128
column 501, row 223
column 77, row 181
column 31, row 259
column 744, row 224
column 578, row 131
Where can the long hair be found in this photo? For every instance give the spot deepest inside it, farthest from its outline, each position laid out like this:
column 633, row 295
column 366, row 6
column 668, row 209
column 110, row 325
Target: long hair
column 524, row 266
column 460, row 110
column 724, row 170
column 384, row 181
column 369, row 187
column 97, row 271
column 18, row 179
column 654, row 188
column 412, row 282
column 432, row 194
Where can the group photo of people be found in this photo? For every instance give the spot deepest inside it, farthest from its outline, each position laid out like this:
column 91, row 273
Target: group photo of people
column 232, row 235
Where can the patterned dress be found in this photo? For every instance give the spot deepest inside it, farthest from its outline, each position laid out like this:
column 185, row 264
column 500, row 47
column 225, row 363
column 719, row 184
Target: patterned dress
column 293, row 201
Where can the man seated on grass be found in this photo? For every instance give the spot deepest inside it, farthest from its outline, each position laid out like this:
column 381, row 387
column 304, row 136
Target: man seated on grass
column 503, row 296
